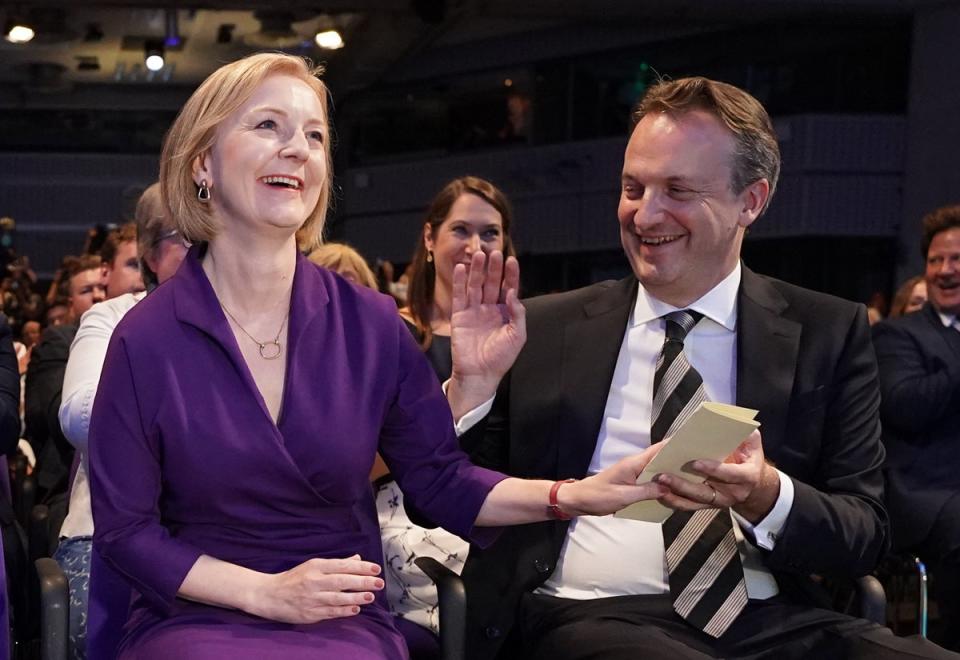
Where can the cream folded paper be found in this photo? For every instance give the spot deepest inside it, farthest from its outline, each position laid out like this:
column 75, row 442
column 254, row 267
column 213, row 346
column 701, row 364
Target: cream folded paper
column 713, row 431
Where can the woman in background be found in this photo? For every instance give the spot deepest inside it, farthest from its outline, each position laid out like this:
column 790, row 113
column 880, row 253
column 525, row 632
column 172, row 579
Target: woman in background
column 345, row 261
column 468, row 215
column 910, row 297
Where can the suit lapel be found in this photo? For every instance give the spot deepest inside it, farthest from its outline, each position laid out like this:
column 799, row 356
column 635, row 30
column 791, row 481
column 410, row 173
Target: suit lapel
column 950, row 336
column 767, row 349
column 590, row 348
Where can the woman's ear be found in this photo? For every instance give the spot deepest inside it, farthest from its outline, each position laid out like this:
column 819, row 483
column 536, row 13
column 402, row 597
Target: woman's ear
column 427, row 236
column 201, row 170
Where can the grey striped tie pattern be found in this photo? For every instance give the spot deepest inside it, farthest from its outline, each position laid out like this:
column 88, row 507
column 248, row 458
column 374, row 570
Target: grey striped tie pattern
column 705, row 575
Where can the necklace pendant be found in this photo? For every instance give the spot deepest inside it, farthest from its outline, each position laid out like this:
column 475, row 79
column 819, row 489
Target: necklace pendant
column 270, row 350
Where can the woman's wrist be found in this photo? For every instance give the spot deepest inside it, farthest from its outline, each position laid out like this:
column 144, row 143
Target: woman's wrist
column 255, row 594
column 560, row 504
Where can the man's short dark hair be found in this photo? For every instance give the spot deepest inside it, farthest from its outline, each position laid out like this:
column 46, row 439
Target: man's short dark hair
column 938, row 220
column 76, row 265
column 757, row 154
column 126, row 233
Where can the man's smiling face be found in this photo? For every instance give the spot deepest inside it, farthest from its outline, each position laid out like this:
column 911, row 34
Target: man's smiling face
column 681, row 223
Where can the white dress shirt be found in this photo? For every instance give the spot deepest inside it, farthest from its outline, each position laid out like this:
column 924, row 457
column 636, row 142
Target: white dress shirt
column 607, row 556
column 80, row 381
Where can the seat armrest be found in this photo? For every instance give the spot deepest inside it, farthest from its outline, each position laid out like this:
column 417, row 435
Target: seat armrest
column 452, row 598
column 54, row 610
column 38, row 533
column 873, row 599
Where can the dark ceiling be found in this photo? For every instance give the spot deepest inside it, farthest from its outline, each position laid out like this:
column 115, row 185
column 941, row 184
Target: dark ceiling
column 83, row 74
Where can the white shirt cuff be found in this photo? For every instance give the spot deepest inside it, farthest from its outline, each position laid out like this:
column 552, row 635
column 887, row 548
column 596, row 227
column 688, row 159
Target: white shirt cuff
column 470, row 418
column 766, row 532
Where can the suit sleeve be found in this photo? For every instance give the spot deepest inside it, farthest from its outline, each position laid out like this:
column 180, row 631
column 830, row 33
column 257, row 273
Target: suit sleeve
column 838, row 524
column 9, row 390
column 125, row 488
column 918, row 388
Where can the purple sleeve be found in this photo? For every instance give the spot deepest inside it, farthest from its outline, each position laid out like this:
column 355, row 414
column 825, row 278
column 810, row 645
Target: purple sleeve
column 419, row 444
column 125, row 486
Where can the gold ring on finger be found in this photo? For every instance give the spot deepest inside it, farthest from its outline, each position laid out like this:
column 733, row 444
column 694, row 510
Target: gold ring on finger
column 714, row 498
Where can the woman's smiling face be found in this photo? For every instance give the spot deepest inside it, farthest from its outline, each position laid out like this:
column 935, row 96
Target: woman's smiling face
column 268, row 165
column 471, row 225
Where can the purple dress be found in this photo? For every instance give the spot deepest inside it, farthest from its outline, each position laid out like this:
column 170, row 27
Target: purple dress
column 185, row 460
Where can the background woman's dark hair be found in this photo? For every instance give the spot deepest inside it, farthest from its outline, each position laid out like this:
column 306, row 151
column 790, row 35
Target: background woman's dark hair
column 422, row 275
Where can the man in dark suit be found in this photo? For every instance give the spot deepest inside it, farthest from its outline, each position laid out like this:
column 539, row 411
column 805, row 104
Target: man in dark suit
column 700, row 168
column 919, row 357
column 44, row 380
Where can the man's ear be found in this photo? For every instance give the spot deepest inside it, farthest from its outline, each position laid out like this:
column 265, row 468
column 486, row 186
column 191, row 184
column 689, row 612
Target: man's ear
column 105, row 269
column 753, row 200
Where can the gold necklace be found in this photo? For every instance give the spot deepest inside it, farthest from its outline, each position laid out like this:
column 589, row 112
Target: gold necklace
column 274, row 350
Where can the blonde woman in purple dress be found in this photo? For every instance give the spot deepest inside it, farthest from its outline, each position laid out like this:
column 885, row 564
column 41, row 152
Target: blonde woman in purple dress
column 242, row 403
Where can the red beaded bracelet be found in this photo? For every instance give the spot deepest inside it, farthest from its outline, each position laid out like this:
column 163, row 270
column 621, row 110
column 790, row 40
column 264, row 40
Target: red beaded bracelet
column 553, row 508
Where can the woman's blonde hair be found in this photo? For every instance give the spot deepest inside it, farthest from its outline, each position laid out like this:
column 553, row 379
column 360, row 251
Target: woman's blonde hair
column 340, row 258
column 194, row 132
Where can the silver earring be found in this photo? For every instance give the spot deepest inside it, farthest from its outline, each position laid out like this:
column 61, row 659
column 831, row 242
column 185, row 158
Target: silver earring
column 203, row 194
column 429, row 257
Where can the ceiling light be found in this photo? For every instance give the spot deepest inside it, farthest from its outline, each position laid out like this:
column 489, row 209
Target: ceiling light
column 329, row 39
column 153, row 56
column 18, row 33
column 172, row 38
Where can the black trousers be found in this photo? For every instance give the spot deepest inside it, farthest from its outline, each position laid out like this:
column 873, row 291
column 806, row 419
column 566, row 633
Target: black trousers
column 646, row 627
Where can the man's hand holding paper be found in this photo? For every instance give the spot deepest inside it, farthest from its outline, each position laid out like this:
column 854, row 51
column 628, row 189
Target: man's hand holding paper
column 744, row 482
column 714, row 459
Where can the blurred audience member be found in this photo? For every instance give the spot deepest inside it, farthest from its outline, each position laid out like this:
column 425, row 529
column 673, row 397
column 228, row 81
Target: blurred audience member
column 29, row 336
column 120, row 267
column 44, row 381
column 910, row 297
column 345, row 261
column 876, row 308
column 919, row 358
column 57, row 313
column 30, row 333
column 85, row 285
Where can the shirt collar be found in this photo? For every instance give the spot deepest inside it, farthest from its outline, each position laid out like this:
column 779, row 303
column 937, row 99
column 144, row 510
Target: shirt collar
column 719, row 304
column 947, row 319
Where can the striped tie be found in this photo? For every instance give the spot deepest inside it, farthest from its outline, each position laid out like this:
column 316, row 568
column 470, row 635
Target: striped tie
column 706, row 578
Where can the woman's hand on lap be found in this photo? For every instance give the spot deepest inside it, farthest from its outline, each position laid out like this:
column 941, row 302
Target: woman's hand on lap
column 317, row 589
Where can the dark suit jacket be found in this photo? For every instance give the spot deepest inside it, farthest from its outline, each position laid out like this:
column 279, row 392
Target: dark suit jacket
column 804, row 361
column 920, row 382
column 9, row 390
column 42, row 392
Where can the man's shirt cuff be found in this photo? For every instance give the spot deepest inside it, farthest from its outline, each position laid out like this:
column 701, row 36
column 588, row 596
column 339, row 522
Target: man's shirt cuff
column 766, row 532
column 470, row 418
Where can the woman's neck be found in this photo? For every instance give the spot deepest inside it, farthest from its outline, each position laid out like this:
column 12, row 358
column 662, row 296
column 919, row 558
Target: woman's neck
column 441, row 309
column 252, row 277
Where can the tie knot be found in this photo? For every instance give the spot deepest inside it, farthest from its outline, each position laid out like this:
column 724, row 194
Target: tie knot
column 680, row 323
